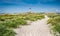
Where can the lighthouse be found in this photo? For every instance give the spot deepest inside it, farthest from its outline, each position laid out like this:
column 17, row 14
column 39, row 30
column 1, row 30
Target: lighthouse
column 30, row 10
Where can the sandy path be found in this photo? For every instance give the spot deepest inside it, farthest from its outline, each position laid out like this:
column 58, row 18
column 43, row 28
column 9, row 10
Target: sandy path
column 37, row 28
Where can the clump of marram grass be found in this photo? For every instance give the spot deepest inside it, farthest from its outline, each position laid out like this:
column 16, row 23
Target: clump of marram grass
column 55, row 22
column 9, row 22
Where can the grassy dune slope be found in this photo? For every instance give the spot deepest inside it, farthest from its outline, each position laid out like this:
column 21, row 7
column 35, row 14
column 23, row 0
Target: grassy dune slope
column 8, row 22
column 54, row 21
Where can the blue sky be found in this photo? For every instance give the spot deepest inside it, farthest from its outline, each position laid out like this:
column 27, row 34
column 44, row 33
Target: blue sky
column 17, row 6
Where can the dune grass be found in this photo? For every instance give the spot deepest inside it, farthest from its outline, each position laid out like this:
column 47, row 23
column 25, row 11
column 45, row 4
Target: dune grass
column 8, row 22
column 54, row 21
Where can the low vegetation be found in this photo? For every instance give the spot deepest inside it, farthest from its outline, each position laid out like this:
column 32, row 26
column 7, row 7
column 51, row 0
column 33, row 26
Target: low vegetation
column 8, row 22
column 54, row 21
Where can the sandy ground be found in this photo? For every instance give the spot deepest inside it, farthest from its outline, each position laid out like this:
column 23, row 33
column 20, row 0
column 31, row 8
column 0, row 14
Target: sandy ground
column 37, row 28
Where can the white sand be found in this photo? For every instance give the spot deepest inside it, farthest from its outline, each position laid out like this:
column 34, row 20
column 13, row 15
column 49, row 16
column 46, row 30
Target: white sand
column 37, row 28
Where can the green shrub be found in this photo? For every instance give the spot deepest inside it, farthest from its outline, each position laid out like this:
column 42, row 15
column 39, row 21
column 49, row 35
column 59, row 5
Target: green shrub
column 5, row 31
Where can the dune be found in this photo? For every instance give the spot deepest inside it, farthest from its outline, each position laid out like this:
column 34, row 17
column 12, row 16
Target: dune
column 36, row 28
